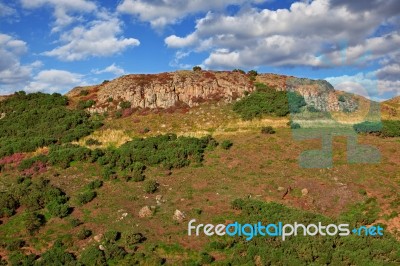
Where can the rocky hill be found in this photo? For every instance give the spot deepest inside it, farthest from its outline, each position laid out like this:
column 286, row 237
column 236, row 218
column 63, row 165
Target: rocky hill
column 391, row 108
column 190, row 88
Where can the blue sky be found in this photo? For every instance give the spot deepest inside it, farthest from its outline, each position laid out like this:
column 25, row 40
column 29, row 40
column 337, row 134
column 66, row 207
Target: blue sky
column 55, row 45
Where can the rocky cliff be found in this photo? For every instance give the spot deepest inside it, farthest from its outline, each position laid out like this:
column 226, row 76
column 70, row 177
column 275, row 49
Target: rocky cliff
column 191, row 88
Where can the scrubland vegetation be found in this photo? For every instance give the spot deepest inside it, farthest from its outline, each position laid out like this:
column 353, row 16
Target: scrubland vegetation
column 55, row 202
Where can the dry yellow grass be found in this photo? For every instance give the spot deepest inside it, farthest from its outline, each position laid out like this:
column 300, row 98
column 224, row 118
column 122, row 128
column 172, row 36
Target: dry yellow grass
column 108, row 137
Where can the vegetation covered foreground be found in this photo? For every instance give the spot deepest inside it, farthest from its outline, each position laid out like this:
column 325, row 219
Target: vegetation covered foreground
column 30, row 121
column 53, row 204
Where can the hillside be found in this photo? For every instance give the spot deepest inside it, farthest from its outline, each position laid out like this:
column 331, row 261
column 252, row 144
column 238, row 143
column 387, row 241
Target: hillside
column 190, row 88
column 111, row 174
column 391, row 108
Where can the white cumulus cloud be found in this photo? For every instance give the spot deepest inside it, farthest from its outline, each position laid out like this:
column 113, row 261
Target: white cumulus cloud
column 99, row 38
column 163, row 12
column 113, row 69
column 63, row 9
column 54, row 80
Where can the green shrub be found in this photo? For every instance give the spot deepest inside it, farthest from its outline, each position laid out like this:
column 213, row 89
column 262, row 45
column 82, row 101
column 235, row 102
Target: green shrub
column 239, row 70
column 93, row 256
column 83, row 93
column 132, row 239
column 391, row 128
column 37, row 120
column 306, row 250
column 252, row 73
column 114, row 252
column 267, row 130
column 75, row 222
column 86, row 197
column 125, row 105
column 93, row 142
column 33, row 221
column 57, row 255
column 138, row 177
column 118, row 114
column 217, row 245
column 205, row 258
column 386, row 128
column 57, row 209
column 94, row 184
column 85, row 104
column 368, row 127
column 312, row 109
column 294, row 125
column 28, row 163
column 196, row 68
column 63, row 155
column 111, row 236
column 110, row 100
column 226, row 144
column 150, row 186
column 15, row 245
column 18, row 258
column 84, row 233
column 8, row 204
column 268, row 101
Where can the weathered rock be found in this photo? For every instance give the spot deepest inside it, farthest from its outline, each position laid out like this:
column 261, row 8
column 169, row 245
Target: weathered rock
column 304, row 192
column 159, row 199
column 98, row 238
column 145, row 212
column 188, row 88
column 179, row 216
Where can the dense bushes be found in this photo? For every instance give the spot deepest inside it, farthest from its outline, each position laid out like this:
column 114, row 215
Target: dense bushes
column 85, row 104
column 196, row 68
column 308, row 250
column 226, row 144
column 125, row 104
column 37, row 120
column 391, row 128
column 84, row 233
column 34, row 196
column 268, row 101
column 150, row 186
column 86, row 196
column 33, row 221
column 368, row 127
column 56, row 255
column 8, row 204
column 64, row 155
column 267, row 130
column 386, row 128
column 166, row 150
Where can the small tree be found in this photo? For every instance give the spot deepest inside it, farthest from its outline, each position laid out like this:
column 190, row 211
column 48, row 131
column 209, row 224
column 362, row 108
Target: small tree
column 84, row 233
column 150, row 186
column 196, row 68
column 252, row 73
column 267, row 130
column 226, row 144
column 33, row 222
column 125, row 104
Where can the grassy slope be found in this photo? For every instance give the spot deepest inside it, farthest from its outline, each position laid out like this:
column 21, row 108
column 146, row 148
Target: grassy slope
column 256, row 166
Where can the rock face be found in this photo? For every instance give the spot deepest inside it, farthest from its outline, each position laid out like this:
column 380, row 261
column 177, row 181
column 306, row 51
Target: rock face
column 190, row 88
column 166, row 90
column 317, row 93
column 145, row 212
